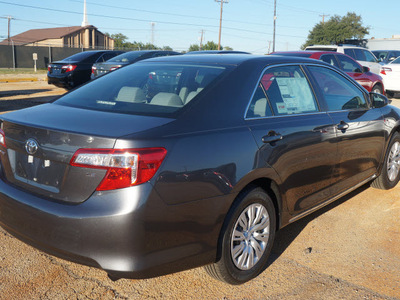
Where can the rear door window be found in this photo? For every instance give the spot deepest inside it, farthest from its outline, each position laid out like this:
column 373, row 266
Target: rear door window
column 348, row 65
column 360, row 54
column 350, row 53
column 330, row 59
column 288, row 91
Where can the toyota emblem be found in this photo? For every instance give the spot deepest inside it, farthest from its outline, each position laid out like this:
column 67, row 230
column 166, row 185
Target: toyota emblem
column 31, row 146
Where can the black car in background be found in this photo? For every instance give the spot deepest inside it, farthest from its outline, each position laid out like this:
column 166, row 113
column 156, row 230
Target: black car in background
column 386, row 56
column 101, row 68
column 200, row 170
column 76, row 69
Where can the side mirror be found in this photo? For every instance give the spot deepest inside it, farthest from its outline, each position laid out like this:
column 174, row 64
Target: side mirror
column 366, row 69
column 378, row 100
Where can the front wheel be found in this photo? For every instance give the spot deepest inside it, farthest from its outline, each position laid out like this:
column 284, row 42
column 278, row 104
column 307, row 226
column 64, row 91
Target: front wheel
column 390, row 173
column 247, row 239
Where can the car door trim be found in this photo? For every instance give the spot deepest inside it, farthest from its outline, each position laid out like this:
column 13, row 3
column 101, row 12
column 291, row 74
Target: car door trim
column 315, row 208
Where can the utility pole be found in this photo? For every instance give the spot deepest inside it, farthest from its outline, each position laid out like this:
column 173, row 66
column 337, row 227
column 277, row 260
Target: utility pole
column 9, row 18
column 323, row 18
column 220, row 22
column 273, row 39
column 201, row 39
column 152, row 32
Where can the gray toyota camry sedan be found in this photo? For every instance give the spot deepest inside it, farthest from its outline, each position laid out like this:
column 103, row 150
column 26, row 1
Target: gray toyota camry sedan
column 195, row 160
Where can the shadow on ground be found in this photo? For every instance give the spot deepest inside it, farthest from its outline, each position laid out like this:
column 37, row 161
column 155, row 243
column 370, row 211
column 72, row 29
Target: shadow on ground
column 9, row 105
column 288, row 234
column 22, row 92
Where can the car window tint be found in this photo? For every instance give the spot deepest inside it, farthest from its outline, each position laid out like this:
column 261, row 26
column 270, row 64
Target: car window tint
column 350, row 53
column 259, row 106
column 107, row 56
column 156, row 89
column 288, row 91
column 339, row 92
column 360, row 54
column 349, row 65
column 369, row 56
column 330, row 59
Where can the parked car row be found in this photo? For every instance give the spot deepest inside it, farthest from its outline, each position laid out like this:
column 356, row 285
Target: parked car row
column 184, row 161
column 370, row 81
column 79, row 68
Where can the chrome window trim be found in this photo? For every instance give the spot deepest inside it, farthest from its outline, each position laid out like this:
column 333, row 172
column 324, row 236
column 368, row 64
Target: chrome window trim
column 289, row 115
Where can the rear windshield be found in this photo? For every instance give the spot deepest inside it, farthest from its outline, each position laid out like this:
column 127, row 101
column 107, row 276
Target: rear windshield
column 127, row 57
column 158, row 89
column 79, row 56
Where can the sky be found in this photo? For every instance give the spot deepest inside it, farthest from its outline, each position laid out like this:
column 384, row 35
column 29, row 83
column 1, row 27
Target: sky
column 247, row 25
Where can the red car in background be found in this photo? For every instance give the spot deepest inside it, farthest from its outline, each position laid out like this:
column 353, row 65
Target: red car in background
column 370, row 81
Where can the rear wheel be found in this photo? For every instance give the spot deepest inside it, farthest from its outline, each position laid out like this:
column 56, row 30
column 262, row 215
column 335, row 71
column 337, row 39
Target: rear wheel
column 377, row 89
column 390, row 94
column 390, row 174
column 247, row 239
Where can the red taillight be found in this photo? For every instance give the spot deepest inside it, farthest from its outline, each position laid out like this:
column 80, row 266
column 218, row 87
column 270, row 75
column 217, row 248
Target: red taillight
column 384, row 70
column 68, row 68
column 114, row 68
column 2, row 138
column 49, row 68
column 93, row 69
column 125, row 167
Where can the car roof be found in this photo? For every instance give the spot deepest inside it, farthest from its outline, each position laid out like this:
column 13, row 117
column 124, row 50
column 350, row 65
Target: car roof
column 232, row 59
column 217, row 52
column 305, row 52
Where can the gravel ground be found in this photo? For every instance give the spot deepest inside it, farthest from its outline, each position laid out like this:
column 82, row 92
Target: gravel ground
column 348, row 250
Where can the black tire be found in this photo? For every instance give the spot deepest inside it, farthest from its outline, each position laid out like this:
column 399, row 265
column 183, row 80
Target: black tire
column 377, row 89
column 390, row 173
column 390, row 94
column 241, row 269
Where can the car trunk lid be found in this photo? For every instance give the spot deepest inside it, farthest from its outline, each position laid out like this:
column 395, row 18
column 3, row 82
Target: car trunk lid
column 39, row 151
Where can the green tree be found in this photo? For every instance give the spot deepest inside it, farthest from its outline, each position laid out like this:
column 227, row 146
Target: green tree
column 210, row 45
column 194, row 47
column 337, row 30
column 119, row 39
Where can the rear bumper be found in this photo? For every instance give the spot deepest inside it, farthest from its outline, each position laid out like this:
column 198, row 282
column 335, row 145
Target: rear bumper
column 61, row 81
column 129, row 233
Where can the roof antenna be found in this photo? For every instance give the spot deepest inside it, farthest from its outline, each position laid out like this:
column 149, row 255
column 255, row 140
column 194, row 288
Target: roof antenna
column 85, row 21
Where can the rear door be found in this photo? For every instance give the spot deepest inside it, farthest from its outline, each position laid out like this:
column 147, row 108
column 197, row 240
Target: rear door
column 294, row 136
column 360, row 128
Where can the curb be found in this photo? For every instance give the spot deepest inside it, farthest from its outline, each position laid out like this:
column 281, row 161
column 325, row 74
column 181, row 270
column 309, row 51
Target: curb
column 6, row 80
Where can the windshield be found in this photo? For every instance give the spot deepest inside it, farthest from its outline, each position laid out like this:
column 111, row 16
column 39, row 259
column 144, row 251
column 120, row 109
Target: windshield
column 127, row 57
column 396, row 61
column 158, row 89
column 380, row 54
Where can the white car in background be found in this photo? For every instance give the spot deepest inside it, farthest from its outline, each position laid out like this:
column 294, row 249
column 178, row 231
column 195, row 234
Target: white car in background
column 362, row 55
column 390, row 74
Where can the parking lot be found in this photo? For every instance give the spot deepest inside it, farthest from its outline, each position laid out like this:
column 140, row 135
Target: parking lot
column 347, row 250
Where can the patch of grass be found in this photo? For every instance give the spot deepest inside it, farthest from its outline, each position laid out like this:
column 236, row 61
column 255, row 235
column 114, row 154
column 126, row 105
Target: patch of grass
column 4, row 71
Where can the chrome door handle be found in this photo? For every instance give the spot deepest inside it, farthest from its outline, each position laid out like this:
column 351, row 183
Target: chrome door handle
column 342, row 126
column 271, row 137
